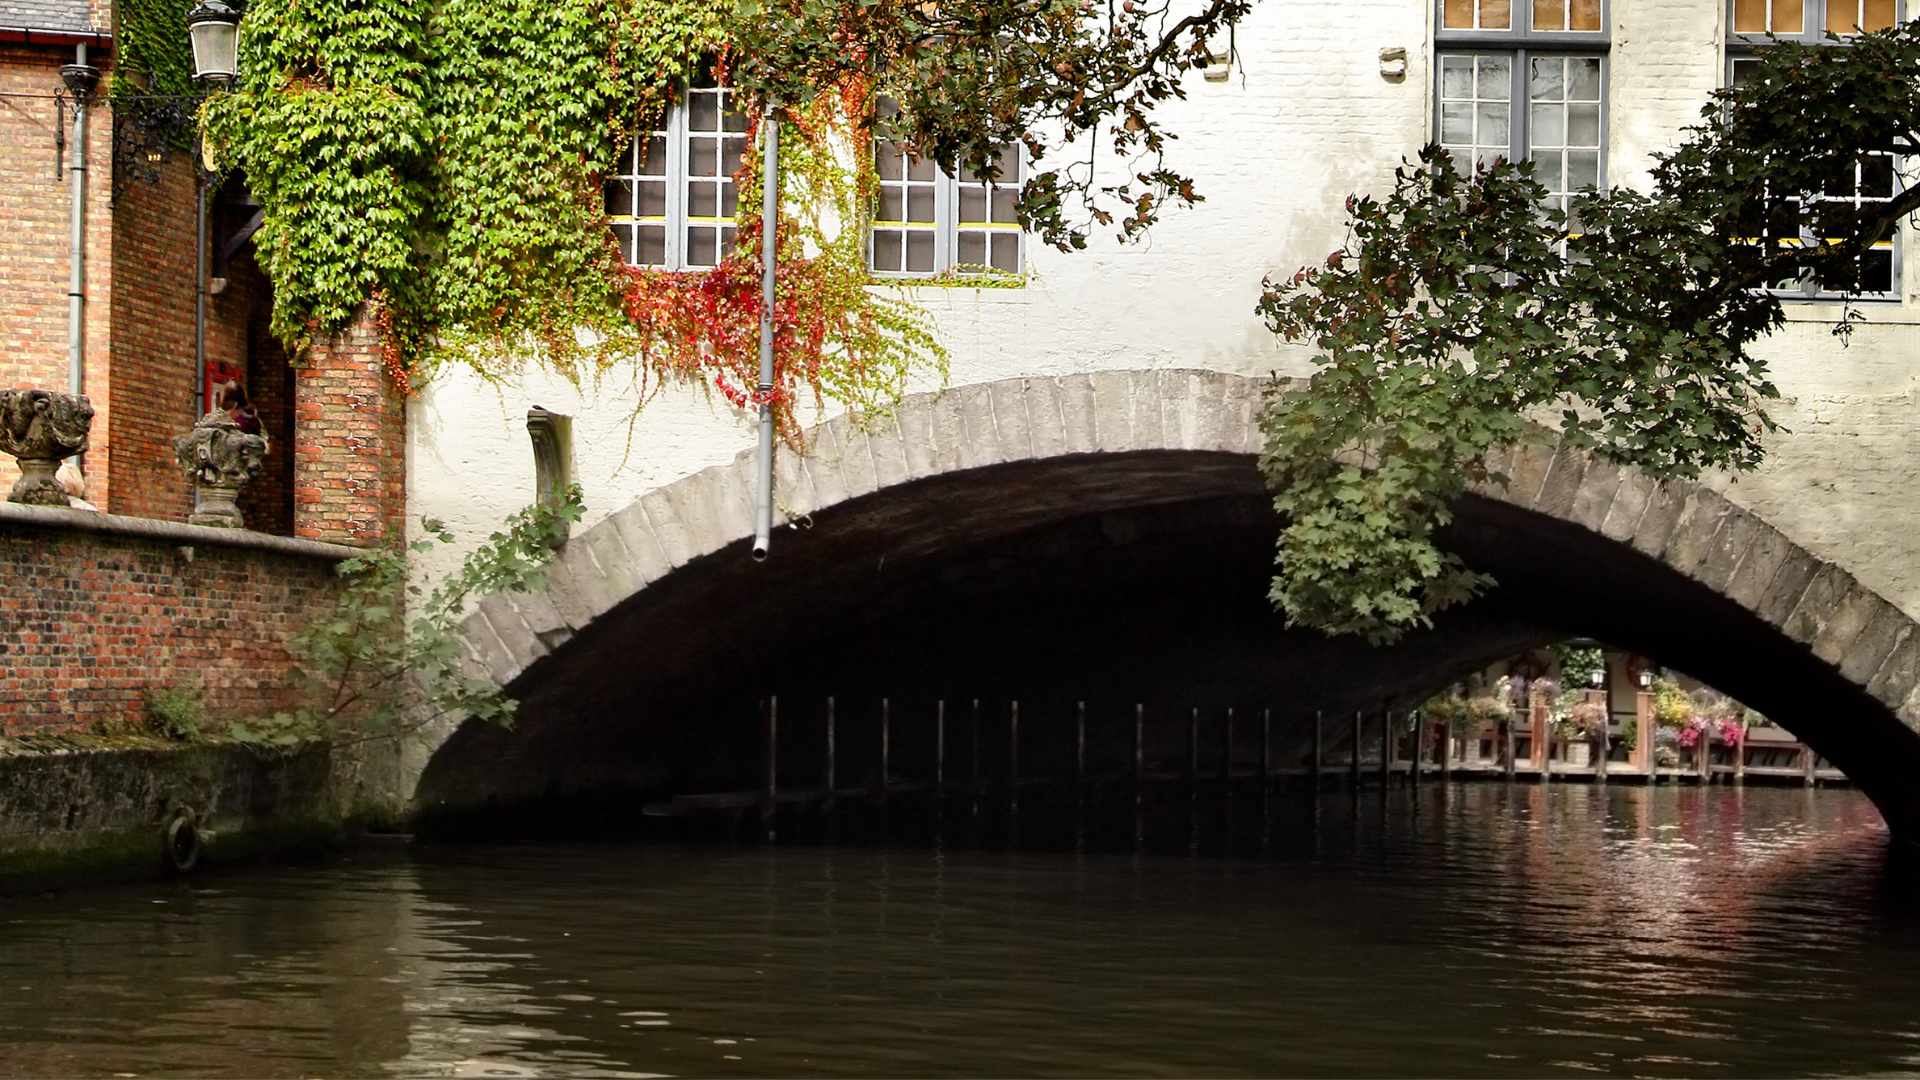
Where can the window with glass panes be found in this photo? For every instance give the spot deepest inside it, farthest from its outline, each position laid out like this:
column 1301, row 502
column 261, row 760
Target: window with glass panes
column 1525, row 80
column 672, row 198
column 928, row 222
column 1808, row 217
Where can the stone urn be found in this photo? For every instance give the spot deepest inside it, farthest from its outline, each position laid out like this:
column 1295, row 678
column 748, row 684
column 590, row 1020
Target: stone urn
column 219, row 458
column 40, row 429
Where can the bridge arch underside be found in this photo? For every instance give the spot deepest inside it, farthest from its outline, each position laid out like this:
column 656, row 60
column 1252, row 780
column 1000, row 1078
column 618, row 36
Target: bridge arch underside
column 1112, row 578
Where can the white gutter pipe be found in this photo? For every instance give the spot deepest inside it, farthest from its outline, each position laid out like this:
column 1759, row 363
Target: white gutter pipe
column 80, row 77
column 769, row 219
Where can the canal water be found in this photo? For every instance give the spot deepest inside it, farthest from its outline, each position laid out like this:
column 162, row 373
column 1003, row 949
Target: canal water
column 1477, row 929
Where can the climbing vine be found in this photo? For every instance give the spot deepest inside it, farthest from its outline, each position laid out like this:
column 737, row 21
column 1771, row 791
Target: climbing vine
column 447, row 163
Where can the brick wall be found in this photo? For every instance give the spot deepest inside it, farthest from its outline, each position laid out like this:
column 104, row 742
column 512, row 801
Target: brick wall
column 94, row 619
column 349, row 464
column 34, row 205
column 152, row 379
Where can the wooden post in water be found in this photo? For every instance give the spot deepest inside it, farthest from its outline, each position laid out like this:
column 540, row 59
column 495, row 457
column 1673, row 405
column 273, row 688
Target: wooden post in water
column 1509, row 762
column 886, row 745
column 1446, row 755
column 1080, row 745
column 1319, row 747
column 1013, row 757
column 1386, row 746
column 832, row 757
column 1419, row 751
column 1139, row 749
column 1353, row 765
column 770, row 800
column 1740, row 758
column 1193, row 750
column 1806, row 763
column 940, row 747
column 1606, row 750
column 1226, row 752
column 1266, row 746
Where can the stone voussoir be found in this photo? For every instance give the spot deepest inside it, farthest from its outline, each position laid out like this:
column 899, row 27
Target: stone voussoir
column 1112, row 411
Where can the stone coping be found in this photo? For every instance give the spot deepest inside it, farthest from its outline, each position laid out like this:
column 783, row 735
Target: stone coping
column 169, row 532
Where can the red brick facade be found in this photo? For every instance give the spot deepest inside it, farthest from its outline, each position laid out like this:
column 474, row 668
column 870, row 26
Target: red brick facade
column 141, row 376
column 91, row 621
column 349, row 457
column 34, row 205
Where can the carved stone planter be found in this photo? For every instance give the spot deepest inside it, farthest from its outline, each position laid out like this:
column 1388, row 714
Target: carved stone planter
column 219, row 458
column 40, row 429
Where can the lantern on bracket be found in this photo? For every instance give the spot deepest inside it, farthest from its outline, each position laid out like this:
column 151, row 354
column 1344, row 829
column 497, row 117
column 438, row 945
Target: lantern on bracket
column 214, row 27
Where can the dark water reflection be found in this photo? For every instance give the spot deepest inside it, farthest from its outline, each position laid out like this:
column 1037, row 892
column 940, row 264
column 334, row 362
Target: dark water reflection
column 1478, row 930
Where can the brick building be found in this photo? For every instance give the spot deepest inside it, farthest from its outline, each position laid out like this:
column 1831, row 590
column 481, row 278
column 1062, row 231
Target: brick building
column 342, row 480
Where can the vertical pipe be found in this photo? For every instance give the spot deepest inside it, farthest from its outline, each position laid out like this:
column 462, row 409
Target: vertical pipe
column 769, row 222
column 80, row 81
column 200, row 286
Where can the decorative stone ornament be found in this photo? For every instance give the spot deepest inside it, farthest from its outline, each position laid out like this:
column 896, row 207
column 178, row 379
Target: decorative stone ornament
column 218, row 457
column 40, row 429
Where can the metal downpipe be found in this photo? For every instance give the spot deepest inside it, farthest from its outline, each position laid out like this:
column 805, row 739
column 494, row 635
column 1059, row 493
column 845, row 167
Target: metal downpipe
column 769, row 219
column 80, row 78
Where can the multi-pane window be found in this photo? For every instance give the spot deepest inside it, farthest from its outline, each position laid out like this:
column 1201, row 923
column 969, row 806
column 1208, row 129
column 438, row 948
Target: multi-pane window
column 672, row 197
column 1542, row 15
column 928, row 222
column 1525, row 81
column 1811, row 20
column 1812, row 217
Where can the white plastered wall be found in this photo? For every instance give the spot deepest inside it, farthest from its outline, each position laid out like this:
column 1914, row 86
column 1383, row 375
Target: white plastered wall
column 1275, row 149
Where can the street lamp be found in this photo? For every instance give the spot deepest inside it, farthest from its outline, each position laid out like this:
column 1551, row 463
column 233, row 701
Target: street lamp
column 214, row 27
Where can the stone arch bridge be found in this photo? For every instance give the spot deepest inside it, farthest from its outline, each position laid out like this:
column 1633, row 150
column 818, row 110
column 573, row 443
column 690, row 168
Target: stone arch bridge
column 1058, row 520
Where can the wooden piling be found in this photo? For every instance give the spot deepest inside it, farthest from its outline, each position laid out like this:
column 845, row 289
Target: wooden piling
column 1193, row 749
column 1353, row 765
column 1606, row 750
column 1266, row 745
column 1319, row 747
column 1080, row 744
column 1226, row 751
column 940, row 746
column 886, row 744
column 1740, row 759
column 1509, row 761
column 1386, row 746
column 1419, row 751
column 1139, row 749
column 1013, row 756
column 771, row 800
column 1446, row 755
column 833, row 762
column 1806, row 764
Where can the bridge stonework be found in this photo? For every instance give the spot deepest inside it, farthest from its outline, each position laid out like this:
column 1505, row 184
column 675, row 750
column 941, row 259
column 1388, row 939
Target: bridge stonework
column 1165, row 435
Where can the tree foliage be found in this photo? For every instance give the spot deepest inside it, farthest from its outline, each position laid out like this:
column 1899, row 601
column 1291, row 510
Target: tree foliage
column 1459, row 317
column 386, row 660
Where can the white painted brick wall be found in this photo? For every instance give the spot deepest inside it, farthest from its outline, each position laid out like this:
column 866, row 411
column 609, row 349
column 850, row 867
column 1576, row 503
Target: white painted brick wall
column 1275, row 150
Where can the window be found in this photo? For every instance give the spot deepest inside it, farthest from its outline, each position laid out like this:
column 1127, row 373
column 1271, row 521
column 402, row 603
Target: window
column 1806, row 217
column 1525, row 81
column 672, row 198
column 927, row 222
column 1809, row 20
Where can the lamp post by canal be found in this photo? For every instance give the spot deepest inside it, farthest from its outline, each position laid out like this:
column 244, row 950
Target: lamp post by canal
column 214, row 29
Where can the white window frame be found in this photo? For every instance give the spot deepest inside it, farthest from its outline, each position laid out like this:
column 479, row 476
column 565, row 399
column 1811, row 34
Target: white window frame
column 947, row 228
column 1749, row 46
column 676, row 220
